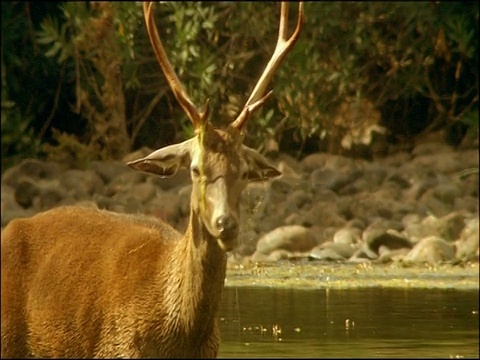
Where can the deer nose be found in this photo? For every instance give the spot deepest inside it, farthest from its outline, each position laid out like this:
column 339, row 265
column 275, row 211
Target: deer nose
column 227, row 226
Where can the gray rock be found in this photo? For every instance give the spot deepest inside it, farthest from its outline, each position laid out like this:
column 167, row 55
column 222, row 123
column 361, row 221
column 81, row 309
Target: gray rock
column 184, row 195
column 370, row 179
column 292, row 238
column 446, row 193
column 26, row 189
column 324, row 214
column 165, row 205
column 467, row 246
column 325, row 254
column 328, row 179
column 388, row 255
column 356, row 223
column 395, row 202
column 298, row 199
column 109, row 170
column 389, row 240
column 431, row 148
column 347, row 236
column 326, row 195
column 296, row 219
column 448, row 162
column 323, row 234
column 419, row 187
column 431, row 205
column 447, row 227
column 469, row 159
column 363, row 254
column 281, row 186
column 431, row 250
column 144, row 192
column 16, row 213
column 124, row 181
column 468, row 203
column 332, row 251
column 82, row 184
column 452, row 224
column 314, row 161
column 275, row 256
column 367, row 206
column 31, row 168
column 469, row 181
column 8, row 201
column 398, row 178
column 51, row 193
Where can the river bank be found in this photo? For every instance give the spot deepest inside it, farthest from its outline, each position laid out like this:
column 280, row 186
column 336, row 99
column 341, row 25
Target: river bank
column 408, row 219
column 315, row 275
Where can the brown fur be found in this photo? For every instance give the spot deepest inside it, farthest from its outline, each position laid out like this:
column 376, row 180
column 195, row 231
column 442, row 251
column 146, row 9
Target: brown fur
column 82, row 282
column 107, row 288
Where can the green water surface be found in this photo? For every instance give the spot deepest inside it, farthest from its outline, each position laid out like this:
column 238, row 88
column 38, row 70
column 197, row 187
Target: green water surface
column 323, row 311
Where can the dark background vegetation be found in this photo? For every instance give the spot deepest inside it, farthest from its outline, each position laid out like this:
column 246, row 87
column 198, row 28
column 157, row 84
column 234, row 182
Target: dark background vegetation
column 80, row 81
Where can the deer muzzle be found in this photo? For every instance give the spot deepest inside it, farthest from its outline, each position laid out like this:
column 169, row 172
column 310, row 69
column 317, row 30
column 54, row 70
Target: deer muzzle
column 227, row 226
column 223, row 223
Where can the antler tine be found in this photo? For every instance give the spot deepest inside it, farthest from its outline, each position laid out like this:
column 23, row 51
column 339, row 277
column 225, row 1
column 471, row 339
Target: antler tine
column 281, row 49
column 195, row 116
column 283, row 46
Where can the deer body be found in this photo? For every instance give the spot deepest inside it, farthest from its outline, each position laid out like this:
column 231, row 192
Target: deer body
column 80, row 282
column 115, row 286
column 85, row 283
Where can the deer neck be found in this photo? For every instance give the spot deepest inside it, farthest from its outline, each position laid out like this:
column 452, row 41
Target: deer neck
column 196, row 277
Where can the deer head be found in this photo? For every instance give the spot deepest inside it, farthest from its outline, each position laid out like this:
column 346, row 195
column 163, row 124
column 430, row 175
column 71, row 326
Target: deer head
column 220, row 164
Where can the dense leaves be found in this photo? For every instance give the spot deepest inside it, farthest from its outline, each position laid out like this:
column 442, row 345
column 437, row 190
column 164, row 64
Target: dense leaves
column 398, row 69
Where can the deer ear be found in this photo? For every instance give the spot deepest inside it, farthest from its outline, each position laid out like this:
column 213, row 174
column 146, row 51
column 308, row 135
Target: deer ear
column 166, row 161
column 258, row 167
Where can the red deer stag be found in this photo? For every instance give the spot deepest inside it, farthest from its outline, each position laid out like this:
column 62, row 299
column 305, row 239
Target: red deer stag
column 85, row 283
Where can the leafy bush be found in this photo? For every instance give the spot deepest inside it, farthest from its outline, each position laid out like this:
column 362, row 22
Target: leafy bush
column 23, row 87
column 414, row 65
column 86, row 42
column 417, row 64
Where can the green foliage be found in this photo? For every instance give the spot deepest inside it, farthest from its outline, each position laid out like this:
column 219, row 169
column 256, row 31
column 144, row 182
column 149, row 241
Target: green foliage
column 69, row 150
column 187, row 29
column 190, row 21
column 416, row 63
column 63, row 40
column 129, row 16
column 86, row 42
column 56, row 36
column 470, row 120
column 396, row 54
column 19, row 107
column 394, row 51
column 18, row 138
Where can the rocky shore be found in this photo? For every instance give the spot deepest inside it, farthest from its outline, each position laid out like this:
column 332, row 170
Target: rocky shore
column 417, row 207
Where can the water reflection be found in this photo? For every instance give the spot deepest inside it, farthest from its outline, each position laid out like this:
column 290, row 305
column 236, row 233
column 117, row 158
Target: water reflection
column 374, row 322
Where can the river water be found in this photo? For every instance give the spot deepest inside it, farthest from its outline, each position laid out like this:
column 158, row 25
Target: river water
column 349, row 323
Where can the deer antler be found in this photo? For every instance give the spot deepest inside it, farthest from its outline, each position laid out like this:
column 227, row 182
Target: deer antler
column 258, row 97
column 196, row 117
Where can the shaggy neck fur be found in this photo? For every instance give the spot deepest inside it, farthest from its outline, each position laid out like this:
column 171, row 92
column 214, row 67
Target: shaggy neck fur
column 194, row 287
